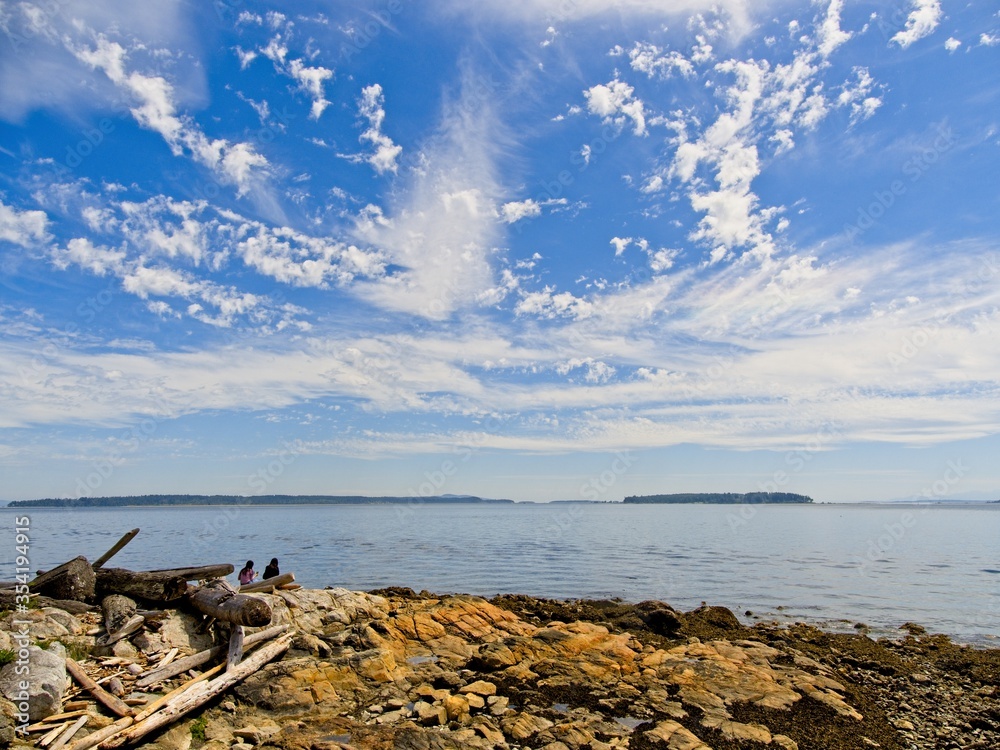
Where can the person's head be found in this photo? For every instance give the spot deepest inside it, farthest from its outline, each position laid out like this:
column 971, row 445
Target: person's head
column 249, row 565
column 274, row 561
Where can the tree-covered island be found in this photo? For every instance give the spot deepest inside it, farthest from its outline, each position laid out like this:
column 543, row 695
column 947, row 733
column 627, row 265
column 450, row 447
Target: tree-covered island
column 720, row 498
column 168, row 500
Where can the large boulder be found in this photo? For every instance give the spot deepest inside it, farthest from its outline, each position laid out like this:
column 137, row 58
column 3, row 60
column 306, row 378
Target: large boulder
column 41, row 689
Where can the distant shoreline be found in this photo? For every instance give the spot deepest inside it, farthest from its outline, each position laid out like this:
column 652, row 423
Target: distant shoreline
column 272, row 501
column 167, row 501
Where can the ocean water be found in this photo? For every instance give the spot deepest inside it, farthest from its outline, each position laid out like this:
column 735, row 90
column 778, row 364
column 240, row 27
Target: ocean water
column 832, row 565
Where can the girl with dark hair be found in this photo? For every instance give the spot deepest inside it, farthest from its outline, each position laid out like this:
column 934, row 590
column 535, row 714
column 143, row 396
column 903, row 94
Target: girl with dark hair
column 247, row 574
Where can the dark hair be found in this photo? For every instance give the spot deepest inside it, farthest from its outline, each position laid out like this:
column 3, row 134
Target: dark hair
column 249, row 565
column 274, row 561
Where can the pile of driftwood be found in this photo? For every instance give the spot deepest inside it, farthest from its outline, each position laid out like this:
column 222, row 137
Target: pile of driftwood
column 74, row 584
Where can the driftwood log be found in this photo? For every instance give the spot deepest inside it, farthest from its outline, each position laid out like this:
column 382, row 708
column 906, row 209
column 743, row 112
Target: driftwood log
column 235, row 648
column 113, row 703
column 102, row 734
column 117, row 610
column 69, row 733
column 155, row 585
column 99, row 562
column 151, row 586
column 163, row 700
column 8, row 601
column 268, row 584
column 199, row 573
column 132, row 625
column 220, row 600
column 202, row 657
column 72, row 580
column 193, row 699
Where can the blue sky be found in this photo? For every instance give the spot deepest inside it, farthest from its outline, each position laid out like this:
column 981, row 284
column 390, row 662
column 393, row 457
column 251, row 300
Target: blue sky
column 535, row 250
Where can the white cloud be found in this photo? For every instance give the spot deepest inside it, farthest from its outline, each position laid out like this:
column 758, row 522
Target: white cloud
column 96, row 259
column 168, row 247
column 440, row 236
column 595, row 370
column 613, row 102
column 989, row 40
column 515, row 211
column 311, row 79
column 859, row 96
column 246, row 57
column 44, row 72
column 21, row 227
column 663, row 259
column 237, row 163
column 386, row 152
column 654, row 62
column 297, row 259
column 952, row 44
column 736, row 12
column 549, row 304
column 831, row 35
column 620, row 243
column 921, row 22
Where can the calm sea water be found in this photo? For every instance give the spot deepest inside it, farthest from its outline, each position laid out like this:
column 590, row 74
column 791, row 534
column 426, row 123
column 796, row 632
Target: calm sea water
column 833, row 565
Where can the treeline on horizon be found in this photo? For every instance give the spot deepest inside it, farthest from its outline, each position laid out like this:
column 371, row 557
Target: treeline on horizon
column 159, row 500
column 733, row 498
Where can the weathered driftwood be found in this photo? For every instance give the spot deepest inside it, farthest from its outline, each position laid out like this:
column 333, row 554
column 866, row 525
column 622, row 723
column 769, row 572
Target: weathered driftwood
column 235, row 647
column 72, row 580
column 115, row 704
column 118, row 610
column 50, row 737
column 69, row 733
column 164, row 699
column 99, row 562
column 133, row 625
column 193, row 699
column 8, row 601
column 166, row 671
column 200, row 573
column 48, row 721
column 100, row 735
column 220, row 600
column 169, row 657
column 268, row 584
column 153, row 586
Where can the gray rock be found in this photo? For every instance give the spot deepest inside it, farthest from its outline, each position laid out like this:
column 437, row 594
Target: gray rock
column 44, row 683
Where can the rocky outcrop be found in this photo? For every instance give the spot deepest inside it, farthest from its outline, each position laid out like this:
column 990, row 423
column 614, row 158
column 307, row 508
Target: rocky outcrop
column 400, row 670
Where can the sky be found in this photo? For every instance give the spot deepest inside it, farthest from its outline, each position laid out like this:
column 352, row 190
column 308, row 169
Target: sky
column 537, row 250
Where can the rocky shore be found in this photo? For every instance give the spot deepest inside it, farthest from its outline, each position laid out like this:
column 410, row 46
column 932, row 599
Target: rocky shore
column 400, row 670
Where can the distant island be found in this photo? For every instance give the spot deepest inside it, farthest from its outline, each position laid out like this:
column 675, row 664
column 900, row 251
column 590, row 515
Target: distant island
column 720, row 498
column 167, row 500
